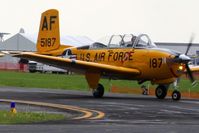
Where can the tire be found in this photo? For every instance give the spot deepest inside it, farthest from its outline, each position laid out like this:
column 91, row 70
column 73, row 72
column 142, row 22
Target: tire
column 99, row 92
column 161, row 91
column 176, row 95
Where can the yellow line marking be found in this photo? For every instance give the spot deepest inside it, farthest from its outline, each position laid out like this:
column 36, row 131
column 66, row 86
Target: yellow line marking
column 87, row 112
column 99, row 116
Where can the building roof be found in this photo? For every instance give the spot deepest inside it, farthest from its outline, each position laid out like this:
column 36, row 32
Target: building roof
column 180, row 47
column 176, row 44
column 65, row 40
column 18, row 42
column 27, row 42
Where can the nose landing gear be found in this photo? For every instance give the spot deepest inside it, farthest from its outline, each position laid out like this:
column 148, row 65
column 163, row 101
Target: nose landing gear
column 176, row 95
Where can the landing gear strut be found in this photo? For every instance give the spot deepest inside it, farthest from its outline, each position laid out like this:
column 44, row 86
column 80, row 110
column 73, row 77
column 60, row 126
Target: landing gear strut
column 99, row 91
column 161, row 91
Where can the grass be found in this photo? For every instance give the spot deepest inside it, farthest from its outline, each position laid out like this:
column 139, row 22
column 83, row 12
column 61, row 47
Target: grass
column 37, row 80
column 72, row 82
column 27, row 117
column 55, row 81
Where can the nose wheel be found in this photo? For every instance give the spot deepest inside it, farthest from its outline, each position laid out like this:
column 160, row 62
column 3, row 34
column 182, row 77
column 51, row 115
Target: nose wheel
column 176, row 95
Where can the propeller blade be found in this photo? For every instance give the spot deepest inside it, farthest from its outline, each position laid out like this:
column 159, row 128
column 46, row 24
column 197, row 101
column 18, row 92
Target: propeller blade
column 190, row 43
column 190, row 75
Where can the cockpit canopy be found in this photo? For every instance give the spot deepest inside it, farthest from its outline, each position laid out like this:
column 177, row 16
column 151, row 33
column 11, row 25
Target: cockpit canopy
column 126, row 41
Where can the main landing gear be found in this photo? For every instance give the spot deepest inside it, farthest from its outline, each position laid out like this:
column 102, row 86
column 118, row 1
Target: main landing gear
column 99, row 91
column 161, row 92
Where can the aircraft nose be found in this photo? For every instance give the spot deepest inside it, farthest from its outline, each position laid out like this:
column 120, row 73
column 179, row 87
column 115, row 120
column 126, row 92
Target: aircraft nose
column 181, row 58
column 184, row 57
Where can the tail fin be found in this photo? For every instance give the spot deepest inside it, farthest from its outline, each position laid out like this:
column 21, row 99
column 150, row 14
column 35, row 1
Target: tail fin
column 49, row 36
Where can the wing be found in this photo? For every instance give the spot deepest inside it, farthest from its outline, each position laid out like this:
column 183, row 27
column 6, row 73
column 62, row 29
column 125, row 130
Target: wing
column 80, row 66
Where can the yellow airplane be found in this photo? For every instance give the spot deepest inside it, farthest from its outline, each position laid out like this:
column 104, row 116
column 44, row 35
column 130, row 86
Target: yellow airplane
column 132, row 58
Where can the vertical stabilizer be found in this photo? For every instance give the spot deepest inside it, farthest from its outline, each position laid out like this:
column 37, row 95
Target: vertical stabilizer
column 49, row 36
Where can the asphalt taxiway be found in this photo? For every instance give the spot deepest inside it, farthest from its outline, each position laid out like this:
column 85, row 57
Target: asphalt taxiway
column 113, row 113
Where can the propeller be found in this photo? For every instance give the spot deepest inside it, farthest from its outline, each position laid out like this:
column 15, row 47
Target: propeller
column 190, row 44
column 190, row 74
column 183, row 58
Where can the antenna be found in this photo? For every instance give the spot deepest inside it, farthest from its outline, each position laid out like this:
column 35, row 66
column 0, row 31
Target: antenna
column 2, row 35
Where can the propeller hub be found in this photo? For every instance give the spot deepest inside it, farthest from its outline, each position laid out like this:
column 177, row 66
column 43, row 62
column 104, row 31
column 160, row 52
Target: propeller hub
column 184, row 58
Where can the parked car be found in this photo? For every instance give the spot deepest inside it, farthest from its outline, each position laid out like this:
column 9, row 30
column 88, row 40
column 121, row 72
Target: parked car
column 39, row 67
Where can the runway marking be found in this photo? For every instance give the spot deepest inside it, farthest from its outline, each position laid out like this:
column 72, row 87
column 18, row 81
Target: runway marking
column 88, row 113
column 99, row 116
